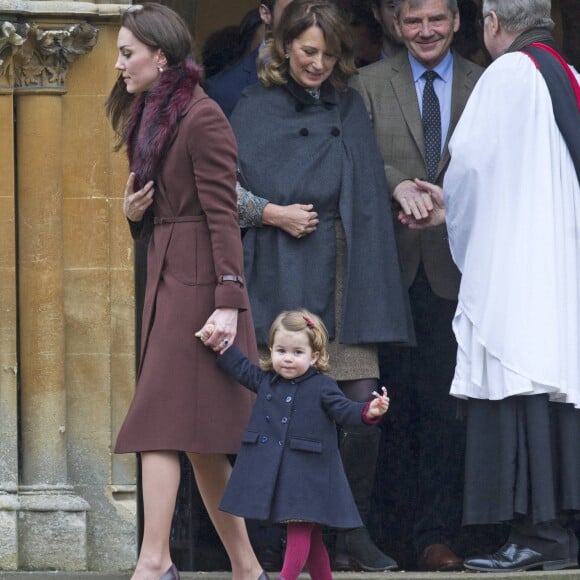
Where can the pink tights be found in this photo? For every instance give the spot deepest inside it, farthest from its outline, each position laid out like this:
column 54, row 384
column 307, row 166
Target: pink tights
column 304, row 545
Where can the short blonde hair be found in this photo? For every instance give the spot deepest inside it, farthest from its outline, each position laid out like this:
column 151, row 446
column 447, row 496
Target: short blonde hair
column 301, row 321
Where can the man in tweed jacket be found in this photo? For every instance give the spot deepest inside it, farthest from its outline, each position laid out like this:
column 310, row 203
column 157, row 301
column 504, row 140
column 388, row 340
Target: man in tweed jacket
column 419, row 377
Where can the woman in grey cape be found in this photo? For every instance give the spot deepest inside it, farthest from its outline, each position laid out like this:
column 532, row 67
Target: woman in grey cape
column 307, row 148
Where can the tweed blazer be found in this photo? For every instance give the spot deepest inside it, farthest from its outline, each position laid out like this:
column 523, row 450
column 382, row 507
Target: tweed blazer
column 389, row 94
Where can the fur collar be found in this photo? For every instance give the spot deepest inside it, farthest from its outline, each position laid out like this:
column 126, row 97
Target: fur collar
column 154, row 118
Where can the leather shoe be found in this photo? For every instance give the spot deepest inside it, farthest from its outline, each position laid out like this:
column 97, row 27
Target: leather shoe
column 270, row 559
column 439, row 558
column 171, row 574
column 516, row 558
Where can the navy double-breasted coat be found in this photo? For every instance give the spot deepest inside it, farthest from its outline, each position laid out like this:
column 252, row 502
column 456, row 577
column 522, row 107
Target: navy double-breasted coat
column 289, row 467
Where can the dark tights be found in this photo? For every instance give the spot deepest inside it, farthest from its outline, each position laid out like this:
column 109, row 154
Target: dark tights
column 360, row 390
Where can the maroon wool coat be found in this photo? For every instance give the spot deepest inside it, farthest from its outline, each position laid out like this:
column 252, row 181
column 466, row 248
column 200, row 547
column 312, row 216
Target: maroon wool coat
column 183, row 401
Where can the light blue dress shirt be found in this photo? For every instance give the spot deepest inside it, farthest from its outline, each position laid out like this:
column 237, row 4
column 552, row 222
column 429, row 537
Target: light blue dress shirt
column 442, row 85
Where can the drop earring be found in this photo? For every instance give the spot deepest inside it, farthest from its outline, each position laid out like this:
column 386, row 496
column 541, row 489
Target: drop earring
column 160, row 69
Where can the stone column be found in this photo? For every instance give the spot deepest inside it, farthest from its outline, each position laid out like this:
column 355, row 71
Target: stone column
column 10, row 42
column 52, row 520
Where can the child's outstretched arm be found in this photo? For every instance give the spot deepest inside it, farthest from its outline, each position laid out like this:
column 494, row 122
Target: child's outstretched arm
column 233, row 361
column 379, row 405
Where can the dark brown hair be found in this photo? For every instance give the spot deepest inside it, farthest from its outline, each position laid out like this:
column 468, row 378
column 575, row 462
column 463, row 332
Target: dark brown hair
column 157, row 27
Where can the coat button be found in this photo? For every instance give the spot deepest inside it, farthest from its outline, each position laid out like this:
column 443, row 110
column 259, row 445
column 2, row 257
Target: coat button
column 304, row 132
column 264, row 439
column 269, row 397
column 284, row 419
column 335, row 131
column 288, row 398
column 281, row 443
column 268, row 418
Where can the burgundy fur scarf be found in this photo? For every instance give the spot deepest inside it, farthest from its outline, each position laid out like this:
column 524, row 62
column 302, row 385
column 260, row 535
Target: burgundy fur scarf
column 154, row 118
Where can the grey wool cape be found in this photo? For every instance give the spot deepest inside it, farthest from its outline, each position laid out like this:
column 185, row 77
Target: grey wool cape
column 289, row 466
column 294, row 148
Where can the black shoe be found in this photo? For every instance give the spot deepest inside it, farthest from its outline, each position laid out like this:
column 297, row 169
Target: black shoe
column 515, row 558
column 270, row 559
column 356, row 550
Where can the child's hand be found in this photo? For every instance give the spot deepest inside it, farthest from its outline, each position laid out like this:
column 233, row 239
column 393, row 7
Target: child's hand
column 204, row 333
column 379, row 405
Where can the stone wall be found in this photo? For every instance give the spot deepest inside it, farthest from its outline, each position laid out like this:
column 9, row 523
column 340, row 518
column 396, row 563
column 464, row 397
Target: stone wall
column 67, row 352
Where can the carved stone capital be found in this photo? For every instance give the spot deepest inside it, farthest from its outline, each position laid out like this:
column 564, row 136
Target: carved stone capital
column 12, row 37
column 46, row 55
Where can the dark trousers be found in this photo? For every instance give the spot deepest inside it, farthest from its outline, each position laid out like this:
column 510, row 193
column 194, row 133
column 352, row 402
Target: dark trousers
column 420, row 479
column 554, row 539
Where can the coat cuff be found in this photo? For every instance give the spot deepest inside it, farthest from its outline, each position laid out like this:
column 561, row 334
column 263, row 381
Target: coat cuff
column 231, row 293
column 368, row 421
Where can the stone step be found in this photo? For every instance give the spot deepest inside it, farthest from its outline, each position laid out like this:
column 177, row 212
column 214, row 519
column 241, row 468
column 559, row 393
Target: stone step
column 558, row 575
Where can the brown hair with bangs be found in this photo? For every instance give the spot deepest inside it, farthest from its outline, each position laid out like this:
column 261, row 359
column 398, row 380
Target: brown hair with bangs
column 297, row 17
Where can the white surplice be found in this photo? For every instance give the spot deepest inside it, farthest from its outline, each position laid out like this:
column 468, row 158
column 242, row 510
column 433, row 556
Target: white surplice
column 513, row 217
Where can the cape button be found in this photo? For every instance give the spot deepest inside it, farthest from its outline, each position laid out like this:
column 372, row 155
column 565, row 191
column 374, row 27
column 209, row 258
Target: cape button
column 335, row 131
column 304, row 132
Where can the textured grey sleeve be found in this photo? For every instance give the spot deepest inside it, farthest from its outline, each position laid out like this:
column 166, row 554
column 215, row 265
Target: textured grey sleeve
column 250, row 208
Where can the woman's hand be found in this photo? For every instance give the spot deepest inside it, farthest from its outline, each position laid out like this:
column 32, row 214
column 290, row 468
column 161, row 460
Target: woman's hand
column 379, row 405
column 297, row 219
column 136, row 202
column 435, row 217
column 219, row 331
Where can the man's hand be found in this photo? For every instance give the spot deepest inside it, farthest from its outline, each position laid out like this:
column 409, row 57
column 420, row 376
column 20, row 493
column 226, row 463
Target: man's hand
column 297, row 219
column 414, row 201
column 436, row 215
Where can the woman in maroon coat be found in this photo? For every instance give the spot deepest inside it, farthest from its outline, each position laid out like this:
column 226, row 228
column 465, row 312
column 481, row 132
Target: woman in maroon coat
column 181, row 192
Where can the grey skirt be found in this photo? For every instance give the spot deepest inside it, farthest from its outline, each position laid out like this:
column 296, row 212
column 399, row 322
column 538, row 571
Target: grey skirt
column 348, row 362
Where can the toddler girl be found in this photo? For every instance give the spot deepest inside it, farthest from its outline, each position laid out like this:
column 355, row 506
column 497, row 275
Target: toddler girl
column 289, row 469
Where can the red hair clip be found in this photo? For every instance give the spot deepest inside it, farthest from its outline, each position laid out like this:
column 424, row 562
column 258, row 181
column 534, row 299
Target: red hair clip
column 309, row 322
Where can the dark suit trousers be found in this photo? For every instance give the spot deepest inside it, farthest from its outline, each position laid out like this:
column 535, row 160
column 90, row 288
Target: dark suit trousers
column 421, row 476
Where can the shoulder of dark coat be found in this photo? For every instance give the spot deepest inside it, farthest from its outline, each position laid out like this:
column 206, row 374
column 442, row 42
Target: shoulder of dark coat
column 225, row 79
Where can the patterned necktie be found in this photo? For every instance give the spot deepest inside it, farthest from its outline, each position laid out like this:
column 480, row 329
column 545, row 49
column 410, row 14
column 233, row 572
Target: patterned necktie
column 431, row 125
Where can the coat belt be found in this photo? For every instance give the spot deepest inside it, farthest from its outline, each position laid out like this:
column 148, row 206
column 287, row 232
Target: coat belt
column 158, row 221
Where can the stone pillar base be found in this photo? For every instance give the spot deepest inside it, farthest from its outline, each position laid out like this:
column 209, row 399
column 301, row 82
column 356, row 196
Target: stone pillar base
column 52, row 529
column 9, row 505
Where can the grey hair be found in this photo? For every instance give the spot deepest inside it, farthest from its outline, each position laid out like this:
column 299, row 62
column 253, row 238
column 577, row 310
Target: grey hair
column 520, row 15
column 451, row 5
